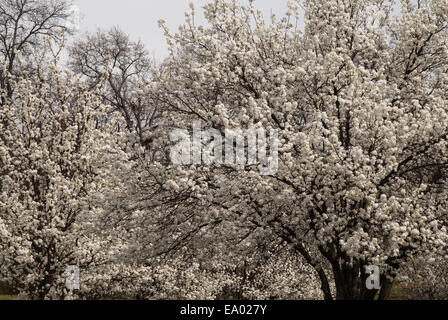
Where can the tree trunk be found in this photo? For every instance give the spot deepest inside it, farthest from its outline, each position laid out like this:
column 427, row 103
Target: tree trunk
column 386, row 288
column 351, row 284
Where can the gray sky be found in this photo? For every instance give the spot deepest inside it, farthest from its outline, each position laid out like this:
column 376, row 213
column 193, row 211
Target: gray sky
column 138, row 18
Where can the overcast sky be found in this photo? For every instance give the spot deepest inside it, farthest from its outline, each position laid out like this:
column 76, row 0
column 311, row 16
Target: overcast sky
column 138, row 18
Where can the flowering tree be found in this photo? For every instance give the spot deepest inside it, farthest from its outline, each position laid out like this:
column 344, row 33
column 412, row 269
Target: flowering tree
column 58, row 162
column 358, row 102
column 358, row 99
column 25, row 24
column 425, row 278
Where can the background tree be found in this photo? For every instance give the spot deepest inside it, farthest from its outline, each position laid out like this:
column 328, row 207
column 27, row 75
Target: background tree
column 425, row 278
column 126, row 66
column 24, row 26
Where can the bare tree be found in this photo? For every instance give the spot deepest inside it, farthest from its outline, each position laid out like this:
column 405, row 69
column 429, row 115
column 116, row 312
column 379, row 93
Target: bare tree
column 126, row 65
